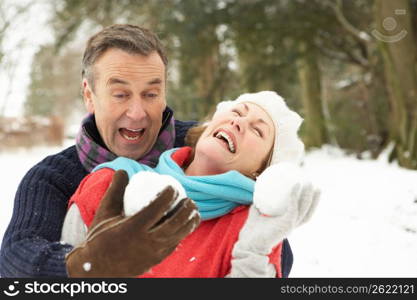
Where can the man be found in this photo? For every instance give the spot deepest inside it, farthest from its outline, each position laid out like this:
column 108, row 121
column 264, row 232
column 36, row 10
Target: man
column 124, row 77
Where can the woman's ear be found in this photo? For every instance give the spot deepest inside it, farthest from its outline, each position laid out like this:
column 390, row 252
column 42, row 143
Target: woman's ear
column 88, row 96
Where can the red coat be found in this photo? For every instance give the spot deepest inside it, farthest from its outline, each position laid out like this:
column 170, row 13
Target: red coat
column 206, row 252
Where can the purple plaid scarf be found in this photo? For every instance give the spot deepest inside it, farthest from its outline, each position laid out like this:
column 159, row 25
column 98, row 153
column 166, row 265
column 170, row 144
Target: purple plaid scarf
column 92, row 154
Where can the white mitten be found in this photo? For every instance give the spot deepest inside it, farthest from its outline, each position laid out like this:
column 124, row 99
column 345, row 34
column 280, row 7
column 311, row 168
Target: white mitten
column 283, row 200
column 274, row 186
column 143, row 188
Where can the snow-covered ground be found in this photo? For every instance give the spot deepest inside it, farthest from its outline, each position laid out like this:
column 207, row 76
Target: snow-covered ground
column 15, row 165
column 365, row 224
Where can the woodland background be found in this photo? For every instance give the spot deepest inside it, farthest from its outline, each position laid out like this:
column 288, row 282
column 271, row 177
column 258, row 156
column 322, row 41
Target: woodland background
column 349, row 67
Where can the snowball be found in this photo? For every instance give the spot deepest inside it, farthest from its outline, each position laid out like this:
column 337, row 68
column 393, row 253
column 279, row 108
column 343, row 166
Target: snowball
column 273, row 188
column 143, row 188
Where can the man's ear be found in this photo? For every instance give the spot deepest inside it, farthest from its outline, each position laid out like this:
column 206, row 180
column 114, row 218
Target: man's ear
column 88, row 96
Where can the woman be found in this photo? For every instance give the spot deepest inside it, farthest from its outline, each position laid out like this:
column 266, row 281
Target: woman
column 218, row 171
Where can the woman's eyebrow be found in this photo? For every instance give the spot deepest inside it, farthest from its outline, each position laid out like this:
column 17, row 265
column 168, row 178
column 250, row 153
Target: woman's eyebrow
column 260, row 120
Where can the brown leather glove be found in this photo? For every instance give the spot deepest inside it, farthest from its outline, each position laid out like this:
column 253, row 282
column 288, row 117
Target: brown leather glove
column 118, row 246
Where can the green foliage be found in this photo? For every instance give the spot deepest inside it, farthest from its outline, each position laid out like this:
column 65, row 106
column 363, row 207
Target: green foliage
column 219, row 49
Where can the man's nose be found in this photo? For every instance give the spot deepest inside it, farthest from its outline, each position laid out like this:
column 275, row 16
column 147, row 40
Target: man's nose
column 135, row 110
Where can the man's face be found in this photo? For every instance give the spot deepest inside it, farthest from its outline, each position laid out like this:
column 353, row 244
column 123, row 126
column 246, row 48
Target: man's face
column 128, row 100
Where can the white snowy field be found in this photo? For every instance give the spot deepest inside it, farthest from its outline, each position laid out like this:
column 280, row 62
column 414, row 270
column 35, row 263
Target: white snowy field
column 364, row 226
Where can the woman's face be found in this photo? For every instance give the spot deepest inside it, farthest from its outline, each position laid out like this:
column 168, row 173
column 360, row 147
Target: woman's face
column 240, row 139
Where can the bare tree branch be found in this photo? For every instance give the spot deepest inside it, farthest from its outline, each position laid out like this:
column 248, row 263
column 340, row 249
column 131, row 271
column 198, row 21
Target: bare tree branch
column 339, row 49
column 9, row 13
column 7, row 18
column 361, row 36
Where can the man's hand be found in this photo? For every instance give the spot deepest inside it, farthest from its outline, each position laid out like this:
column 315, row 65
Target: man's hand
column 119, row 246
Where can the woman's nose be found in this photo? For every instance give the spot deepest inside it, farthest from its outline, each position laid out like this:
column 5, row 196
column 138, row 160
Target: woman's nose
column 238, row 123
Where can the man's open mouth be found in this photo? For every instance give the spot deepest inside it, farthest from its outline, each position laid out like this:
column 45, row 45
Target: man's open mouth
column 225, row 137
column 131, row 134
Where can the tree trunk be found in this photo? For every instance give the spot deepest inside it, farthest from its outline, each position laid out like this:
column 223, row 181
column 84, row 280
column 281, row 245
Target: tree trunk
column 205, row 81
column 309, row 76
column 399, row 51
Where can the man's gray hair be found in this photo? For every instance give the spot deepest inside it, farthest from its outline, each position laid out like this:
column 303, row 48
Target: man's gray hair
column 130, row 38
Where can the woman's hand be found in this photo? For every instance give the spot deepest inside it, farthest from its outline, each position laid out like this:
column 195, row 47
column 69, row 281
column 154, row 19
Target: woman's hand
column 262, row 232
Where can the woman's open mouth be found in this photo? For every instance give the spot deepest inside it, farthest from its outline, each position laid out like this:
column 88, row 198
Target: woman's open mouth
column 227, row 139
column 132, row 134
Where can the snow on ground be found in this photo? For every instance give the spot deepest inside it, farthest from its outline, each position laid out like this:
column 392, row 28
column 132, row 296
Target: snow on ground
column 15, row 164
column 364, row 226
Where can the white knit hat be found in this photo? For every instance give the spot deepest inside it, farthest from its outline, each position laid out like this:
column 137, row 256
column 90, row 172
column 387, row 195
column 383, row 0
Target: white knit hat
column 287, row 145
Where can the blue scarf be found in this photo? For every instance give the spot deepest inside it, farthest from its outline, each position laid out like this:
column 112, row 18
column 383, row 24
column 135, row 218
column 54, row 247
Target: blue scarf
column 214, row 195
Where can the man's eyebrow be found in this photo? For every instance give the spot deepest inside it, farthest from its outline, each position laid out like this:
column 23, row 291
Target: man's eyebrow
column 155, row 81
column 115, row 80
